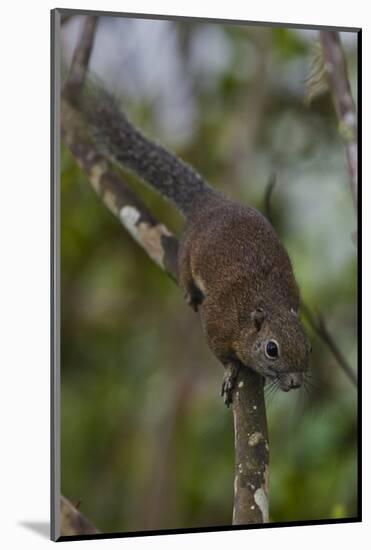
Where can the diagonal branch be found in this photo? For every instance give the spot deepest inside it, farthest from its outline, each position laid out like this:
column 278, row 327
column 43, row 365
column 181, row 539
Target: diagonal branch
column 73, row 522
column 318, row 324
column 157, row 241
column 81, row 57
column 336, row 70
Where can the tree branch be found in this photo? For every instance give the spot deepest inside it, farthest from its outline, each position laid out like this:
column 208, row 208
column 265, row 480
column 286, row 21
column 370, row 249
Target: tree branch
column 116, row 194
column 80, row 61
column 251, row 442
column 319, row 325
column 251, row 450
column 157, row 241
column 337, row 75
column 73, row 522
column 268, row 196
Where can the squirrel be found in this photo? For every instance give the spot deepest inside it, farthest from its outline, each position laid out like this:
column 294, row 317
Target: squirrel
column 232, row 265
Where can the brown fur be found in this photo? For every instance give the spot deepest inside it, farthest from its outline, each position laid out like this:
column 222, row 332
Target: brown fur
column 232, row 264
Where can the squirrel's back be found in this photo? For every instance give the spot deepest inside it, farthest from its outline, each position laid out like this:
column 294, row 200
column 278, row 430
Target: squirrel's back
column 231, row 244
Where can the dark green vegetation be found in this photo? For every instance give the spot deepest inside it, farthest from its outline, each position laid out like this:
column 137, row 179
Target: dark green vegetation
column 146, row 440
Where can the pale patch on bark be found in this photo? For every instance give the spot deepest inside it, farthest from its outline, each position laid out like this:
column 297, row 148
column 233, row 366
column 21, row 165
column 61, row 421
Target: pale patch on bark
column 96, row 174
column 235, row 494
column 129, row 217
column 255, row 438
column 110, row 201
column 266, row 479
column 148, row 236
column 350, row 117
column 261, row 500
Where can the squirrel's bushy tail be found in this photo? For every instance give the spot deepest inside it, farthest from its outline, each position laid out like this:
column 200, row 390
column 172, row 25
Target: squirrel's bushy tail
column 124, row 144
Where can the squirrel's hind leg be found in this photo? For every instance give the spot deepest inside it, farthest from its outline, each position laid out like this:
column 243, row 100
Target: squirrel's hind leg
column 192, row 293
column 194, row 296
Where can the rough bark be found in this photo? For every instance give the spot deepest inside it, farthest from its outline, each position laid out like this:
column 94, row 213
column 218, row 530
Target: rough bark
column 251, row 450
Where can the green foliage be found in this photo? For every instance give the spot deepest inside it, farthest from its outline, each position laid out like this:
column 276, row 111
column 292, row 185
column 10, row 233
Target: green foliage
column 287, row 43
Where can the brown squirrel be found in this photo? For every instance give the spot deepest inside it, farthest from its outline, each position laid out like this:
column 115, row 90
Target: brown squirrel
column 231, row 263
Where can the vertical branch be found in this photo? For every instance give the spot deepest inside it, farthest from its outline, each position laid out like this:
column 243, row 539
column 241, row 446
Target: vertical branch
column 251, row 483
column 161, row 480
column 337, row 74
column 251, row 450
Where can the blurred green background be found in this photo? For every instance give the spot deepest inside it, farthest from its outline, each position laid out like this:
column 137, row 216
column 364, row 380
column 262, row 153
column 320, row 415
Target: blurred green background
column 146, row 440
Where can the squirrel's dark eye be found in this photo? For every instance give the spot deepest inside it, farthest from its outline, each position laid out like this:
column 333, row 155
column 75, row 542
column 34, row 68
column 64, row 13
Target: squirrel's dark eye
column 271, row 349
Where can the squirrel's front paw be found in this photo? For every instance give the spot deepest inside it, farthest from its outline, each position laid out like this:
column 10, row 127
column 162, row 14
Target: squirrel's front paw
column 194, row 297
column 191, row 301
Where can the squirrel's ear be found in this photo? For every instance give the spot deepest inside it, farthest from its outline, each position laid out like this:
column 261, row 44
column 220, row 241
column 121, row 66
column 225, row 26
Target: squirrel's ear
column 258, row 316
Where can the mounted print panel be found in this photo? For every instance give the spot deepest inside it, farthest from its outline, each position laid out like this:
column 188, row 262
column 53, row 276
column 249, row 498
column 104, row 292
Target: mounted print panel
column 205, row 210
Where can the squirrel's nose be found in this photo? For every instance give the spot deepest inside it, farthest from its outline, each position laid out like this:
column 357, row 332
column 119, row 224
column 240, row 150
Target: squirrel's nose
column 291, row 380
column 294, row 382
